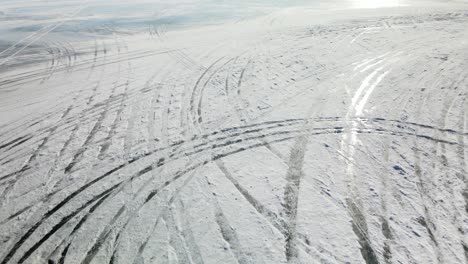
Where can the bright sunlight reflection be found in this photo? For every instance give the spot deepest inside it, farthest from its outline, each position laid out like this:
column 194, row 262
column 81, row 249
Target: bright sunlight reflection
column 376, row 3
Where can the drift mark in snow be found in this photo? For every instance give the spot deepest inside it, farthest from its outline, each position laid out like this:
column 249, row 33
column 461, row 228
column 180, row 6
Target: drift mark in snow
column 318, row 144
column 356, row 109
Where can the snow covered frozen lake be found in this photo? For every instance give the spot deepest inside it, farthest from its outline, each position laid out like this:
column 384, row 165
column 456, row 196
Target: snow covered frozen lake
column 206, row 131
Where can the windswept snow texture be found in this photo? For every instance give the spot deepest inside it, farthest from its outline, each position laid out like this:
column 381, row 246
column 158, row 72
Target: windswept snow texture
column 296, row 137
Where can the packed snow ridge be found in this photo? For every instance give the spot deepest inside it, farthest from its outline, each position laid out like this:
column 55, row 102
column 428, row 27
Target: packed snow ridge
column 296, row 137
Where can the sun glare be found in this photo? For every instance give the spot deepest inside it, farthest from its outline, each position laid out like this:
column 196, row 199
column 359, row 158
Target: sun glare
column 376, row 3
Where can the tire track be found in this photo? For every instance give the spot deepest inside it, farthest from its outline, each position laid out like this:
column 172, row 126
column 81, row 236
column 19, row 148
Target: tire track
column 73, row 195
column 198, row 146
column 152, row 112
column 77, row 126
column 399, row 125
column 87, row 115
column 89, row 139
column 113, row 128
column 128, row 139
column 422, row 190
column 162, row 160
column 70, row 237
column 55, row 209
column 360, row 229
column 192, row 170
column 65, row 219
column 189, row 238
column 228, row 233
column 32, row 158
column 358, row 103
column 148, row 160
column 34, row 121
column 16, row 142
column 191, row 115
column 240, row 110
column 462, row 161
column 292, row 187
column 291, row 195
column 176, row 239
column 56, row 227
column 430, row 216
column 14, row 83
column 198, row 113
column 277, row 222
column 239, row 83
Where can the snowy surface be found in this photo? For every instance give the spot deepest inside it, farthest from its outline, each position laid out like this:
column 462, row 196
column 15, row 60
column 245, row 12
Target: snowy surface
column 301, row 136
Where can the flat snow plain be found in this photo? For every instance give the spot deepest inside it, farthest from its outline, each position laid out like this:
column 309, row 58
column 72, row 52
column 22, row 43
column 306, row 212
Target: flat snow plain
column 297, row 137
